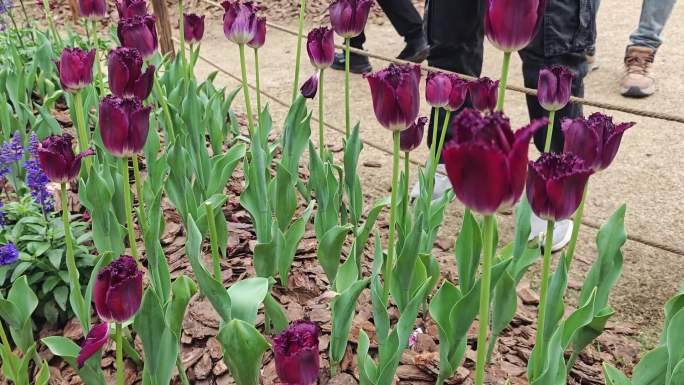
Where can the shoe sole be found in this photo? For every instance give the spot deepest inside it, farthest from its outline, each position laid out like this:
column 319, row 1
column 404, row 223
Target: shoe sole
column 357, row 71
column 636, row 92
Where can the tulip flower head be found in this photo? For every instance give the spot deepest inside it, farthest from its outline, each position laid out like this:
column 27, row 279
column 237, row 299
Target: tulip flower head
column 193, row 28
column 8, row 254
column 239, row 21
column 484, row 93
column 130, row 8
column 396, row 96
column 458, row 92
column 510, row 25
column 260, row 35
column 138, row 32
column 486, row 161
column 95, row 340
column 320, row 45
column 411, row 138
column 75, row 68
column 554, row 87
column 296, row 354
column 117, row 292
column 57, row 158
column 595, row 140
column 555, row 185
column 126, row 78
column 437, row 89
column 92, row 9
column 349, row 17
column 124, row 124
column 310, row 87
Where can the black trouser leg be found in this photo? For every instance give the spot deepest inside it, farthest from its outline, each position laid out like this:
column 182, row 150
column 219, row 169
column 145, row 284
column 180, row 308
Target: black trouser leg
column 404, row 18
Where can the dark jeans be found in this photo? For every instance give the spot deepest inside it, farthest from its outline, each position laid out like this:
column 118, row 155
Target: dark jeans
column 404, row 18
column 455, row 32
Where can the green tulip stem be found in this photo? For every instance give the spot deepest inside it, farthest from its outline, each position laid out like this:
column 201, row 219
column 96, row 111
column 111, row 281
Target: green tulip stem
column 138, row 190
column 298, row 55
column 549, row 131
column 576, row 224
column 389, row 263
column 128, row 208
column 213, row 237
column 168, row 122
column 407, row 170
column 257, row 79
column 347, row 113
column 99, row 75
column 83, row 138
column 502, row 82
column 437, row 151
column 321, row 117
column 541, row 318
column 485, row 286
column 8, row 352
column 181, row 33
column 51, row 23
column 120, row 370
column 75, row 295
column 26, row 17
column 245, row 90
column 181, row 370
column 16, row 27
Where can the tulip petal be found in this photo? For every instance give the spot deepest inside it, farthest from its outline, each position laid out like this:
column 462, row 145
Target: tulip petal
column 581, row 140
column 119, row 74
column 100, row 289
column 113, row 125
column 137, row 134
column 95, row 340
column 612, row 144
column 143, row 86
column 53, row 164
column 518, row 158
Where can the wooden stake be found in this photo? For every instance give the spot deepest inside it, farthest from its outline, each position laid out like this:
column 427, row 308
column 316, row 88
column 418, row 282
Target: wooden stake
column 163, row 26
column 74, row 10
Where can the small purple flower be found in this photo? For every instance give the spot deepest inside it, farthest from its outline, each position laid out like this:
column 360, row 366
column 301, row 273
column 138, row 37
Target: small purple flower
column 8, row 254
column 12, row 150
column 36, row 179
column 411, row 138
column 310, row 87
column 3, row 216
column 413, row 338
column 95, row 340
column 296, row 353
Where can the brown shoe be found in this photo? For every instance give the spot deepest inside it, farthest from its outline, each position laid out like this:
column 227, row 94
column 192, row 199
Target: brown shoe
column 637, row 81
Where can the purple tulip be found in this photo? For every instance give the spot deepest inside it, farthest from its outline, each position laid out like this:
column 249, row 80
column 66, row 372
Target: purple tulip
column 92, row 9
column 124, row 124
column 296, row 354
column 484, row 93
column 396, row 96
column 595, row 140
column 310, row 87
column 193, row 27
column 126, row 78
column 320, row 45
column 75, row 68
column 457, row 92
column 57, row 158
column 260, row 35
column 555, row 185
column 348, row 17
column 95, row 340
column 510, row 25
column 411, row 138
column 437, row 89
column 554, row 87
column 486, row 162
column 139, row 32
column 239, row 21
column 117, row 292
column 130, row 8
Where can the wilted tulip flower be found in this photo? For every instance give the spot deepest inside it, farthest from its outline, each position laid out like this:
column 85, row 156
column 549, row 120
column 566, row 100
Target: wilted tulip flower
column 95, row 340
column 117, row 292
column 75, row 68
column 310, row 87
column 554, row 87
column 410, row 138
column 193, row 28
column 57, row 158
column 130, row 8
column 126, row 79
column 92, row 9
column 348, row 17
column 396, row 97
column 555, row 185
column 320, row 45
column 510, row 25
column 486, row 162
column 296, row 354
column 124, row 124
column 260, row 35
column 138, row 32
column 483, row 93
column 239, row 21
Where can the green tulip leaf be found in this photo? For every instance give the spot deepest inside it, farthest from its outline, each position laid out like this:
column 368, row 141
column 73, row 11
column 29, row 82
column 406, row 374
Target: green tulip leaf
column 243, row 348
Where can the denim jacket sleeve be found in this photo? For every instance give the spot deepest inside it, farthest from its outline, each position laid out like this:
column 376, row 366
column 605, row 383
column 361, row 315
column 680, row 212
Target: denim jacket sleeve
column 568, row 26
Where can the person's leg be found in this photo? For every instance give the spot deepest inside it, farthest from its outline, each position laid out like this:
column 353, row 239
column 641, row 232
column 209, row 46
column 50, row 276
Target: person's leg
column 404, row 18
column 654, row 15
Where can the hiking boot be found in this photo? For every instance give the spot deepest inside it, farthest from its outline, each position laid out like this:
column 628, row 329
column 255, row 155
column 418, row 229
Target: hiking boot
column 637, row 81
column 358, row 64
column 416, row 50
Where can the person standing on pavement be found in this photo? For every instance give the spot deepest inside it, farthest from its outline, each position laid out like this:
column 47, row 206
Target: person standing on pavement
column 638, row 80
column 407, row 22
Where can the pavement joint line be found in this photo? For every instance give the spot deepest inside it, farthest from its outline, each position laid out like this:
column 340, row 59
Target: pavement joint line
column 515, row 88
column 585, row 222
